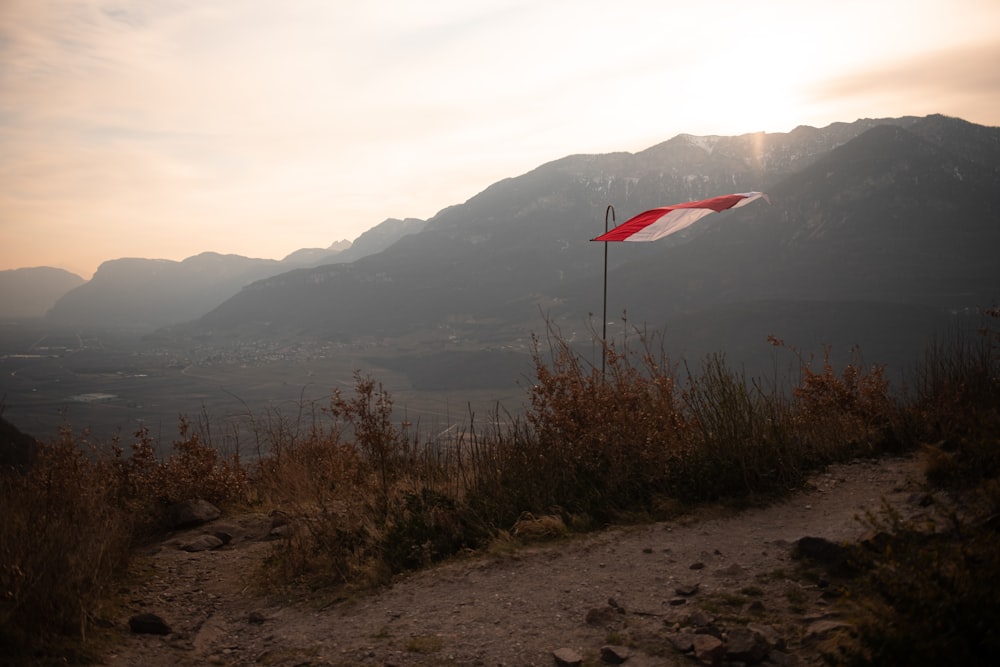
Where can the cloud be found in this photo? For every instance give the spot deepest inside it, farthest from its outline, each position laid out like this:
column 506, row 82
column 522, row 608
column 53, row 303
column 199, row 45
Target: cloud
column 964, row 80
column 258, row 127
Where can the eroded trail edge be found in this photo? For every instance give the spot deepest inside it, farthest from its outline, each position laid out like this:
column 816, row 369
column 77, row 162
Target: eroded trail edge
column 637, row 587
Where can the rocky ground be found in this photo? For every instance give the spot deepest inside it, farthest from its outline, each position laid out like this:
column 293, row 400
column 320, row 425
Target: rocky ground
column 670, row 593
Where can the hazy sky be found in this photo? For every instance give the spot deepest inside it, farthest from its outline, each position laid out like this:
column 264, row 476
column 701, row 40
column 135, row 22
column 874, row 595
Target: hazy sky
column 164, row 128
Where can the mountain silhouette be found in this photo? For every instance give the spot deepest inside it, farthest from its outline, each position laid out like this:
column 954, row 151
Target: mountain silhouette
column 876, row 226
column 144, row 294
column 30, row 292
column 879, row 234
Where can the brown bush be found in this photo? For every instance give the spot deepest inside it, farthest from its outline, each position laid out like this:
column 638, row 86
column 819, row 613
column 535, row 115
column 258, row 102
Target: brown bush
column 72, row 517
column 63, row 537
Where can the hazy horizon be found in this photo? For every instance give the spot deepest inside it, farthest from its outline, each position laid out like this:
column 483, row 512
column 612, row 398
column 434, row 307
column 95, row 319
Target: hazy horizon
column 167, row 129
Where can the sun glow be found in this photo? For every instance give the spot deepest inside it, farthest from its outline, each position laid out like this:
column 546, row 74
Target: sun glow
column 167, row 129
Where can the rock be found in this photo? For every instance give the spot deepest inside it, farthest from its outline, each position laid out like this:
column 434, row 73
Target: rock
column 189, row 513
column 699, row 620
column 615, row 655
column 834, row 557
column 17, row 449
column 567, row 657
column 682, row 641
column 148, row 624
column 747, row 646
column 709, row 650
column 687, row 590
column 256, row 618
column 770, row 634
column 224, row 536
column 281, row 527
column 202, row 543
column 279, row 532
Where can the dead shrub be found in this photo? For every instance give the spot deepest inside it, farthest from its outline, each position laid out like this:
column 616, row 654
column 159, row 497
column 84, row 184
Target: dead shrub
column 839, row 414
column 63, row 538
column 600, row 439
column 738, row 440
column 956, row 385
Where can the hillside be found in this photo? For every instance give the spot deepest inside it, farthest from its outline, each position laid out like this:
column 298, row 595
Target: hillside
column 874, row 224
column 30, row 292
column 137, row 293
column 142, row 294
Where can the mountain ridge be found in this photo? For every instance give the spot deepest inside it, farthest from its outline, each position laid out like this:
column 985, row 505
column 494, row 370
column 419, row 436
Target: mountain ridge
column 29, row 292
column 143, row 294
column 898, row 212
column 853, row 221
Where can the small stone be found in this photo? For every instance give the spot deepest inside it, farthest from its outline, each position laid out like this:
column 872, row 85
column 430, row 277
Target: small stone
column 744, row 645
column 708, row 650
column 224, row 536
column 279, row 532
column 148, row 624
column 769, row 633
column 682, row 641
column 700, row 619
column 687, row 590
column 567, row 657
column 697, row 566
column 820, row 550
column 194, row 512
column 615, row 655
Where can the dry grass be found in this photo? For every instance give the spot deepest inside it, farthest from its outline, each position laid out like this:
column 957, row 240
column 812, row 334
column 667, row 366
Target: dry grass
column 71, row 520
column 367, row 498
column 930, row 594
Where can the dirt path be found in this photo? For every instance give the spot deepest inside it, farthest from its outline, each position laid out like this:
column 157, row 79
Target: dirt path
column 517, row 609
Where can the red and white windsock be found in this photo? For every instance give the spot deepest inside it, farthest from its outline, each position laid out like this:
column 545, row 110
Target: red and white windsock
column 659, row 222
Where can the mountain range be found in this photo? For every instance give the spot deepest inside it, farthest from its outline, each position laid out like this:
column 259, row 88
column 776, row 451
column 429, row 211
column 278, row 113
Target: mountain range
column 143, row 294
column 879, row 231
column 32, row 291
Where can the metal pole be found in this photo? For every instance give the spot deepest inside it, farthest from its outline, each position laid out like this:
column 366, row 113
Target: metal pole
column 604, row 312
